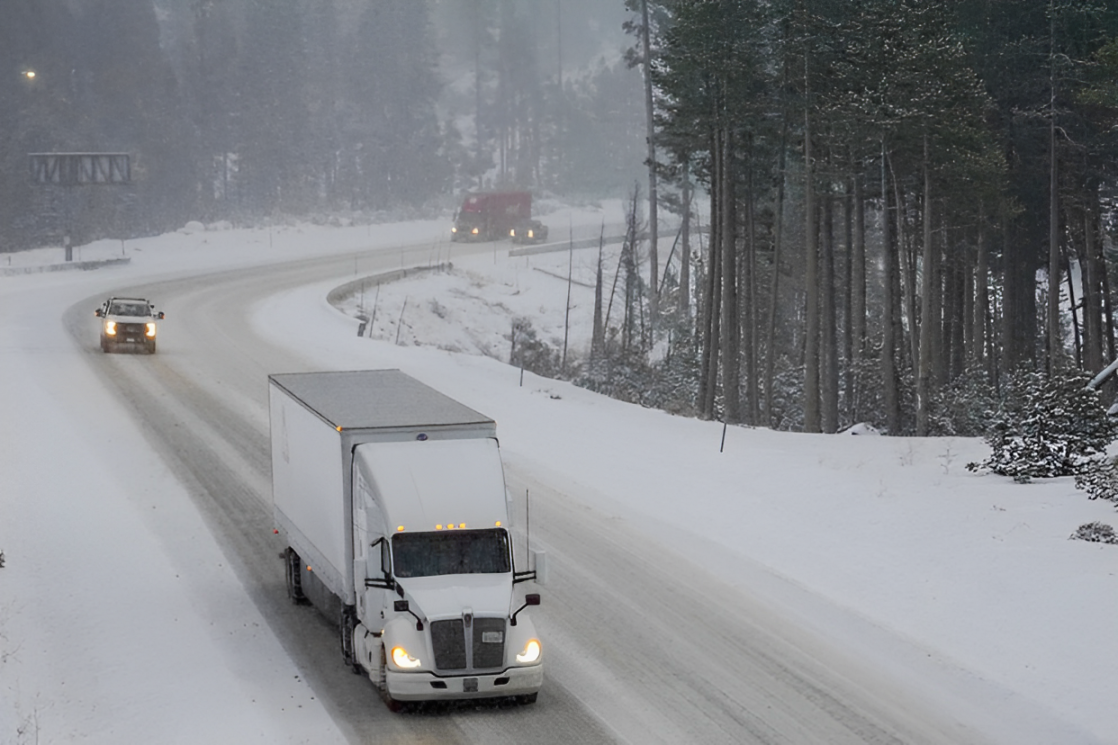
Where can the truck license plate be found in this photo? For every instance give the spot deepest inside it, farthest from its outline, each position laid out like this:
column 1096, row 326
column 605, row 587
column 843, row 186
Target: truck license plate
column 469, row 685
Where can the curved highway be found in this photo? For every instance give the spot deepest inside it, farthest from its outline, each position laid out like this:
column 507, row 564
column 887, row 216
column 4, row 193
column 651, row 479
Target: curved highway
column 641, row 646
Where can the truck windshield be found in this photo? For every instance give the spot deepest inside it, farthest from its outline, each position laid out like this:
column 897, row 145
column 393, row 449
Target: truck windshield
column 451, row 552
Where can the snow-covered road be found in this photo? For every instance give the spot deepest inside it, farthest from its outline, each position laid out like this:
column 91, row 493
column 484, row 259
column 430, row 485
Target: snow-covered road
column 792, row 589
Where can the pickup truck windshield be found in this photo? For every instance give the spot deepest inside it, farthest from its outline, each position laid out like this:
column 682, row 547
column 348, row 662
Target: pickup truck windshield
column 451, row 552
column 129, row 309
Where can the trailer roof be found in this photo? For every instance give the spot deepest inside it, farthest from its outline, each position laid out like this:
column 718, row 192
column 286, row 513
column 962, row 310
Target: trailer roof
column 374, row 399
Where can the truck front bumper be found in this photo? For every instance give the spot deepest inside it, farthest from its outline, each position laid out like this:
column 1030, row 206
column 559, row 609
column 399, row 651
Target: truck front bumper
column 516, row 681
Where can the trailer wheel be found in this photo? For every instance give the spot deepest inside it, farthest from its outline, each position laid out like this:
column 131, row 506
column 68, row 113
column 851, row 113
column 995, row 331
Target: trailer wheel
column 346, row 624
column 292, row 569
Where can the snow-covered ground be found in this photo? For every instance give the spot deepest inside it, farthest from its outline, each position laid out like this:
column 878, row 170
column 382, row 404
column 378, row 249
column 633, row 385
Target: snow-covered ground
column 972, row 576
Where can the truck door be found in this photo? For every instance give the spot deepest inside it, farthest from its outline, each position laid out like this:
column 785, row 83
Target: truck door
column 368, row 553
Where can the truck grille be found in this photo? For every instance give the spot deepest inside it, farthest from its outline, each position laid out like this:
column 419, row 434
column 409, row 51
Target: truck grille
column 131, row 330
column 479, row 646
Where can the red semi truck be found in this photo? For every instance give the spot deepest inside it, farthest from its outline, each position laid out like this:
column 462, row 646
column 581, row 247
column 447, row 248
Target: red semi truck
column 490, row 216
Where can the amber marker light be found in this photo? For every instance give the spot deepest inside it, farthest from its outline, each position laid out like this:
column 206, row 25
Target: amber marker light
column 399, row 528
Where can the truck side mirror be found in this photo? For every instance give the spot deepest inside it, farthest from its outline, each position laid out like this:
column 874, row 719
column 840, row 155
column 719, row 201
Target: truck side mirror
column 97, row 313
column 401, row 606
column 532, row 598
column 540, row 562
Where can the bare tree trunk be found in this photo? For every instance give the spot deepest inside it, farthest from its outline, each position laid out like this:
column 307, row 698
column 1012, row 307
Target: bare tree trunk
column 1092, row 310
column 956, row 293
column 907, row 278
column 731, row 325
column 749, row 288
column 685, row 248
column 654, row 281
column 710, row 300
column 927, row 321
column 848, row 299
column 830, row 382
column 858, row 293
column 1074, row 315
column 891, row 315
column 774, row 288
column 970, row 318
column 982, row 293
column 1055, row 348
column 1108, row 308
column 598, row 336
column 812, row 420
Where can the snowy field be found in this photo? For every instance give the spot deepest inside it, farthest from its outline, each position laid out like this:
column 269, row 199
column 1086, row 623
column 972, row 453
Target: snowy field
column 964, row 585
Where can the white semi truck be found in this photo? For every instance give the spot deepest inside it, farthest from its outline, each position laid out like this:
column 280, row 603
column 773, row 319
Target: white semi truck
column 391, row 498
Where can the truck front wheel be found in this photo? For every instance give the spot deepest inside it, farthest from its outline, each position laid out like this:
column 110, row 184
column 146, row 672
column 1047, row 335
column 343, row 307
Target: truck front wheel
column 346, row 624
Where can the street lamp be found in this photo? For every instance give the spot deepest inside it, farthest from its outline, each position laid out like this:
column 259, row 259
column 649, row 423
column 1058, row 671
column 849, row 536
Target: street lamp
column 29, row 74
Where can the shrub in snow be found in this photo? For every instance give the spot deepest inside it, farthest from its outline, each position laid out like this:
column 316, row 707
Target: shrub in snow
column 192, row 227
column 1047, row 426
column 963, row 407
column 670, row 383
column 532, row 353
column 1096, row 532
column 1100, row 481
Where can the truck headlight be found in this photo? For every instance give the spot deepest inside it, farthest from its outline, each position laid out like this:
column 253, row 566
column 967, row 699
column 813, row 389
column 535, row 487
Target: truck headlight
column 404, row 660
column 110, row 328
column 530, row 654
column 151, row 330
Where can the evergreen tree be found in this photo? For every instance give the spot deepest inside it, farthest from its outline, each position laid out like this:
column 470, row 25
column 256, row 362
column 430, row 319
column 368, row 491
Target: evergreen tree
column 393, row 140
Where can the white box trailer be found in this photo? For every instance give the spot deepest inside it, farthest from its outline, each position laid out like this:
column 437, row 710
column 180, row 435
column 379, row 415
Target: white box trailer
column 391, row 499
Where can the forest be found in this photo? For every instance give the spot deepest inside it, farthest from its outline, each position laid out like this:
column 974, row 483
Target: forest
column 243, row 110
column 909, row 203
column 840, row 211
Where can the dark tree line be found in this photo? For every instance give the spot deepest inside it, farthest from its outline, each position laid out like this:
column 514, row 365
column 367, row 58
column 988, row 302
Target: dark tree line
column 908, row 200
column 246, row 109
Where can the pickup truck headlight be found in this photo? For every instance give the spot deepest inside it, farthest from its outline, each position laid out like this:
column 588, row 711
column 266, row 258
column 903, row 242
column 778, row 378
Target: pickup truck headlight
column 404, row 660
column 110, row 328
column 151, row 330
column 530, row 654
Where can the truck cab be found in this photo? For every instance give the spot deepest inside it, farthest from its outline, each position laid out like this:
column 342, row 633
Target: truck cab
column 439, row 615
